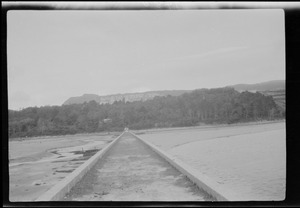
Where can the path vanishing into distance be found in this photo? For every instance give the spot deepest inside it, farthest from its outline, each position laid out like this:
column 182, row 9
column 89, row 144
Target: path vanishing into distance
column 131, row 171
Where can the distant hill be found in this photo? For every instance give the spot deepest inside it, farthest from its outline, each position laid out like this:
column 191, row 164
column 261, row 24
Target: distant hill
column 264, row 86
column 275, row 88
column 142, row 96
column 130, row 97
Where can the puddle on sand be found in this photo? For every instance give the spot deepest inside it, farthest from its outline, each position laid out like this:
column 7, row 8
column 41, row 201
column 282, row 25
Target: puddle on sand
column 81, row 155
column 59, row 161
column 65, row 171
column 86, row 152
column 78, row 159
column 74, row 163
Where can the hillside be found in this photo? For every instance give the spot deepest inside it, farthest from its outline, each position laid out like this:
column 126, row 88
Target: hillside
column 130, row 97
column 264, row 86
column 278, row 96
column 143, row 96
column 275, row 88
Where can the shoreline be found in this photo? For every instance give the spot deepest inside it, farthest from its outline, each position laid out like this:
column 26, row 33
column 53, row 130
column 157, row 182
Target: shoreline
column 18, row 139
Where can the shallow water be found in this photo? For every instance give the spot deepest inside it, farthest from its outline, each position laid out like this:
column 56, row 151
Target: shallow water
column 250, row 161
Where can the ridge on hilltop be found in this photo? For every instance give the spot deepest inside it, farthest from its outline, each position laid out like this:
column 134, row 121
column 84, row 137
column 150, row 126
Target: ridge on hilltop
column 130, row 97
column 273, row 85
column 263, row 86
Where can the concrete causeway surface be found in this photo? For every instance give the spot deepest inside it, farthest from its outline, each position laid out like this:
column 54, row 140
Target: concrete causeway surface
column 131, row 171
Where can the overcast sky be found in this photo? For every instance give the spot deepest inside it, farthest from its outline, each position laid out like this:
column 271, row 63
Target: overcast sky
column 54, row 55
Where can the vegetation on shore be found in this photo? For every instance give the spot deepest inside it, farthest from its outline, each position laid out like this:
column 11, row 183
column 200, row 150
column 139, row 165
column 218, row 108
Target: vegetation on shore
column 203, row 106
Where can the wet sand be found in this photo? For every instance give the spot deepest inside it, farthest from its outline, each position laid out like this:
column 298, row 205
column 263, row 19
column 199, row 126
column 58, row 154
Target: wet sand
column 250, row 160
column 38, row 164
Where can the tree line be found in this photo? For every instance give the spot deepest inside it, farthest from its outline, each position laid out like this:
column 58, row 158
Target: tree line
column 203, row 106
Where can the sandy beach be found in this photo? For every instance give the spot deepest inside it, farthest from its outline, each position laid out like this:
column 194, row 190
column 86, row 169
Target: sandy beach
column 249, row 160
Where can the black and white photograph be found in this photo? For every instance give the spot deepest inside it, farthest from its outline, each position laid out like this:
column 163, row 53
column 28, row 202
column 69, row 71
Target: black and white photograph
column 167, row 105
